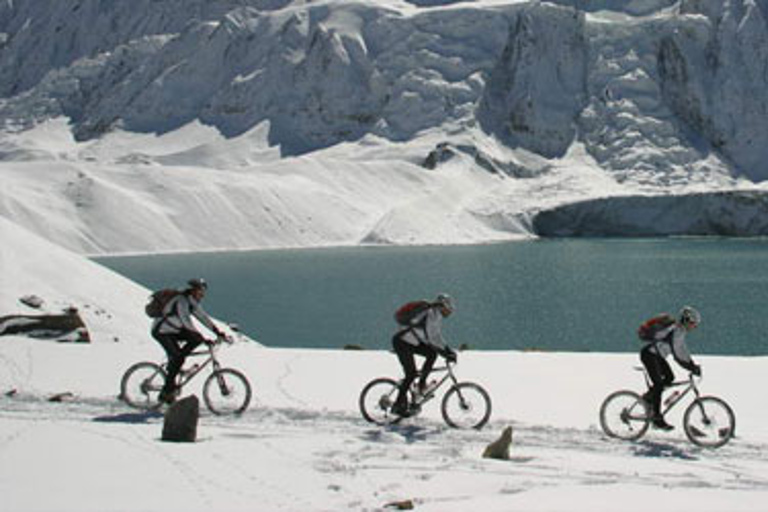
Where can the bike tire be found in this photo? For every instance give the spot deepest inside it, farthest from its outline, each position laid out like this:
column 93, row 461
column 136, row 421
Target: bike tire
column 466, row 405
column 625, row 415
column 709, row 422
column 141, row 385
column 376, row 401
column 227, row 392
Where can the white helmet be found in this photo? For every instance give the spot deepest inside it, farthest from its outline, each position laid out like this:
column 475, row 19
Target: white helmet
column 689, row 316
column 444, row 300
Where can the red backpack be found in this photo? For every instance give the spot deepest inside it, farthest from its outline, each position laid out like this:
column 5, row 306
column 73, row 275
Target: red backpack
column 158, row 301
column 406, row 313
column 648, row 330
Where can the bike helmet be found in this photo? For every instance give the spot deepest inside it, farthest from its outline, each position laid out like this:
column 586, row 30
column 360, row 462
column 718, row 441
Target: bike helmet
column 689, row 317
column 197, row 283
column 445, row 301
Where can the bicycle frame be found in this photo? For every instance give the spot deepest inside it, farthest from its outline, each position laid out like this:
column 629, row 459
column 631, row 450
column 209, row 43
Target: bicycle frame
column 671, row 401
column 186, row 375
column 447, row 370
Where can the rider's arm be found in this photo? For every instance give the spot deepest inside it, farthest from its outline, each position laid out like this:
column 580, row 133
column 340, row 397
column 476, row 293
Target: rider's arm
column 433, row 329
column 680, row 350
column 202, row 316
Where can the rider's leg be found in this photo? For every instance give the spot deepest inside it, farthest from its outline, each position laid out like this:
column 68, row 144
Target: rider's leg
column 193, row 339
column 430, row 355
column 661, row 375
column 404, row 351
column 170, row 344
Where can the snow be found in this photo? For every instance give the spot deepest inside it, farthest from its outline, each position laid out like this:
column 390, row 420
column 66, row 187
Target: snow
column 405, row 122
column 190, row 125
column 303, row 445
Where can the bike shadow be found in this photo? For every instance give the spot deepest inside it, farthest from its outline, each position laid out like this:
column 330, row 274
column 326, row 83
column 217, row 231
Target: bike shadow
column 656, row 449
column 410, row 433
column 130, row 417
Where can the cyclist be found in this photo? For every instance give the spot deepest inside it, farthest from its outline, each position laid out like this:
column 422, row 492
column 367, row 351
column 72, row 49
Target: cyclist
column 669, row 340
column 423, row 337
column 176, row 326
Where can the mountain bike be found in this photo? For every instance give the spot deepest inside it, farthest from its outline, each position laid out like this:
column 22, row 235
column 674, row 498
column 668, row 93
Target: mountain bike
column 708, row 421
column 225, row 391
column 464, row 405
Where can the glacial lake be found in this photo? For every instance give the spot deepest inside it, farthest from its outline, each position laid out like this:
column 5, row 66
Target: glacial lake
column 552, row 295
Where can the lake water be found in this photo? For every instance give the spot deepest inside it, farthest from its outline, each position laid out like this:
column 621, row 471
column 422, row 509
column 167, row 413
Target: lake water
column 555, row 295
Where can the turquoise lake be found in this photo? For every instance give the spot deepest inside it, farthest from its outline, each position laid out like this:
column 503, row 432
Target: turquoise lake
column 555, row 295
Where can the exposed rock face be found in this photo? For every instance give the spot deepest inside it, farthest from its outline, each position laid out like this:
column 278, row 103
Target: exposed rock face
column 734, row 213
column 538, row 86
column 714, row 77
column 68, row 326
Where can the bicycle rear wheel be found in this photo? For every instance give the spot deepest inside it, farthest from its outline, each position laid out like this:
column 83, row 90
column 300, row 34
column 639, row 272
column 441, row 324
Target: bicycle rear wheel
column 376, row 401
column 227, row 391
column 709, row 422
column 466, row 405
column 625, row 415
column 141, row 385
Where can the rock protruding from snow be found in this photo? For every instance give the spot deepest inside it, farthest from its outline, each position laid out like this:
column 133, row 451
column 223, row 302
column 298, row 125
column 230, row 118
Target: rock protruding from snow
column 180, row 424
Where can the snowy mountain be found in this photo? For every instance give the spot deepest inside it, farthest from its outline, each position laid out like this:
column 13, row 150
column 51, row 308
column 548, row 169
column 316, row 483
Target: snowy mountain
column 166, row 126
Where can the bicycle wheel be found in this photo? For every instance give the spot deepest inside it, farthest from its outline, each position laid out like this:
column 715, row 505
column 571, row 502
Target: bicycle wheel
column 227, row 391
column 141, row 385
column 376, row 400
column 625, row 415
column 466, row 405
column 709, row 422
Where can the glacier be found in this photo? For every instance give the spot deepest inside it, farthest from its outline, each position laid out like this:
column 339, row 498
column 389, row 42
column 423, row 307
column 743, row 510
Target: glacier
column 250, row 124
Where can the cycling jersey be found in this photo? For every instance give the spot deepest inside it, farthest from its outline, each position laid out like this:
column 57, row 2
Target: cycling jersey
column 671, row 341
column 178, row 314
column 426, row 328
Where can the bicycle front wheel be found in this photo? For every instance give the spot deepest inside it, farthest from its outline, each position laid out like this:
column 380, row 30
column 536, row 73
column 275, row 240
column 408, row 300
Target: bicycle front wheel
column 625, row 415
column 709, row 422
column 141, row 385
column 227, row 391
column 466, row 405
column 376, row 401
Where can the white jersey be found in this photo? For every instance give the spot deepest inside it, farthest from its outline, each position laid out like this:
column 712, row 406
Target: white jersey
column 426, row 328
column 178, row 313
column 676, row 345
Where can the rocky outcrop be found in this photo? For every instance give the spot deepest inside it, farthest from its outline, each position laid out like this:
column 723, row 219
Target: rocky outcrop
column 734, row 213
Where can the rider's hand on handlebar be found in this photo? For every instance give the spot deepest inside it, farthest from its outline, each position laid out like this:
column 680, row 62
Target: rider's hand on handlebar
column 696, row 370
column 450, row 355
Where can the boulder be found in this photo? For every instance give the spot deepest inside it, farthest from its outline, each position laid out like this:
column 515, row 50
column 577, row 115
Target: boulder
column 499, row 449
column 180, row 424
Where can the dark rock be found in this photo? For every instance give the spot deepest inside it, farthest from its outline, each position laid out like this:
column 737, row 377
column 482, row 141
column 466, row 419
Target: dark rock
column 68, row 326
column 180, row 424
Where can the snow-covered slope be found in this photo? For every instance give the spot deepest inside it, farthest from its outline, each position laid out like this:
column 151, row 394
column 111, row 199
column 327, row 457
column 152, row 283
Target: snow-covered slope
column 303, row 445
column 110, row 305
column 147, row 126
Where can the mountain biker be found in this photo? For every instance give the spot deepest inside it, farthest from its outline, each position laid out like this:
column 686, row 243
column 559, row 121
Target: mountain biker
column 669, row 340
column 423, row 337
column 176, row 326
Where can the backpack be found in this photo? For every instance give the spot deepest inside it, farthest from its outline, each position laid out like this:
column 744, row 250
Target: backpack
column 648, row 329
column 158, row 300
column 406, row 313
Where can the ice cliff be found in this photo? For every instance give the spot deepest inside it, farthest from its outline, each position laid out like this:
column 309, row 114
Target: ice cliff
column 276, row 123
